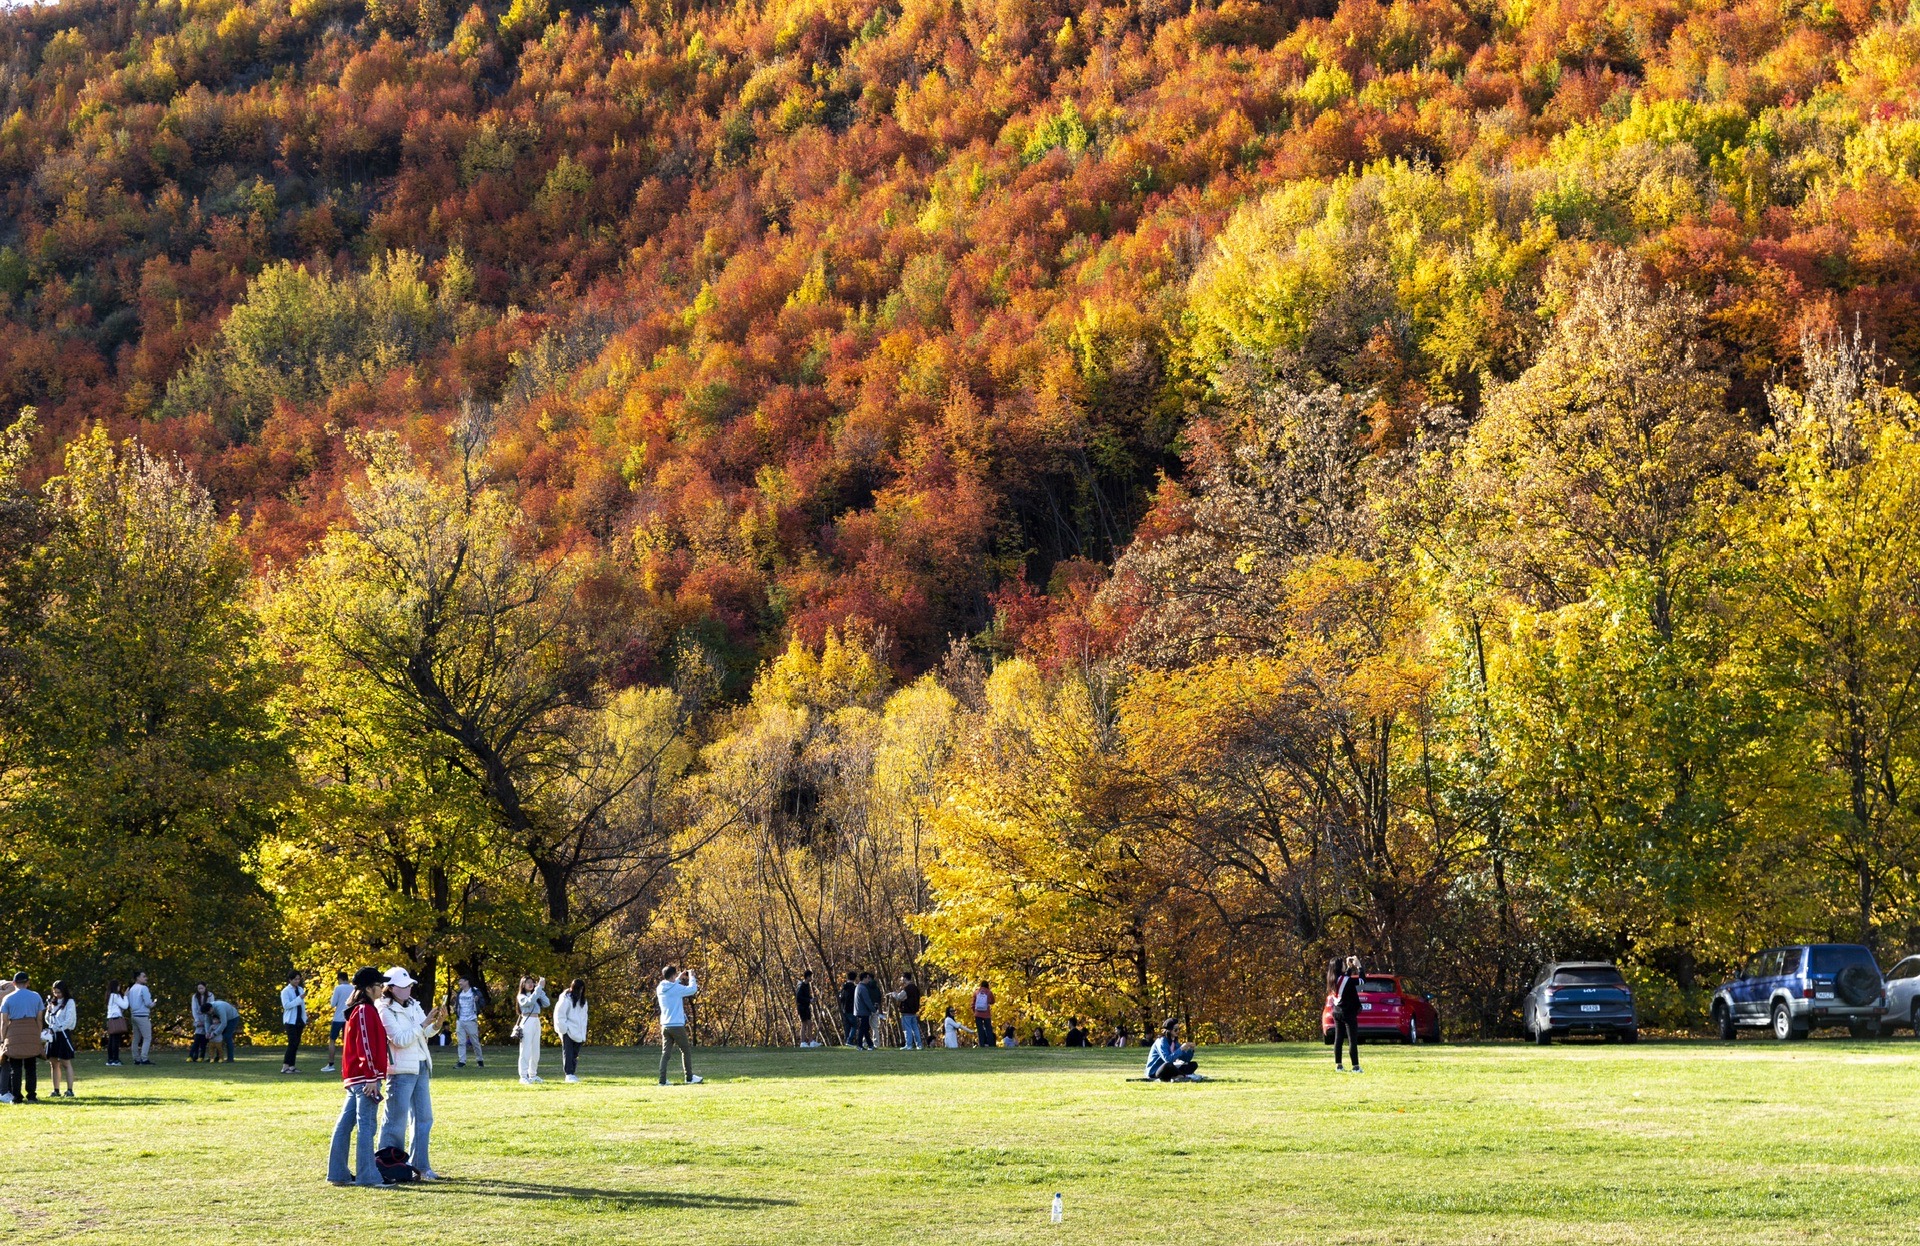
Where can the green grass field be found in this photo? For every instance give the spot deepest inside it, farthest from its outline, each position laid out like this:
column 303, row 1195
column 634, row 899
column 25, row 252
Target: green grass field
column 1684, row 1142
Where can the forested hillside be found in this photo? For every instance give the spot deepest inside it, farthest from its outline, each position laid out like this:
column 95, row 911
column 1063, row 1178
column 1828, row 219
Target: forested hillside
column 1124, row 500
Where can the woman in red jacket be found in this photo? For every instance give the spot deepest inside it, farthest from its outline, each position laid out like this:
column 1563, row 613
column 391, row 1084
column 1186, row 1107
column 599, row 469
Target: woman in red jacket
column 363, row 1066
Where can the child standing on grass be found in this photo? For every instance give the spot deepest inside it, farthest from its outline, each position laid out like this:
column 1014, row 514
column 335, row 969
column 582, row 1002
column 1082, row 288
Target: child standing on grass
column 532, row 1002
column 570, row 1023
column 197, row 1005
column 363, row 1066
column 952, row 1029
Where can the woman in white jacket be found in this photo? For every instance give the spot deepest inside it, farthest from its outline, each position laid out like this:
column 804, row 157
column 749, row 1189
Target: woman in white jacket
column 409, row 1070
column 570, row 1023
column 62, row 1014
column 532, row 1002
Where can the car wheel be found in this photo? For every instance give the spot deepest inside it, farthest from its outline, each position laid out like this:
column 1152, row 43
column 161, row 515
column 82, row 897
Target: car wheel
column 1723, row 1022
column 1543, row 1036
column 1914, row 1018
column 1783, row 1027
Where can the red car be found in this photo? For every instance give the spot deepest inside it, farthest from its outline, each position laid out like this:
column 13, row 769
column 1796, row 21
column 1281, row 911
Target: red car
column 1388, row 1011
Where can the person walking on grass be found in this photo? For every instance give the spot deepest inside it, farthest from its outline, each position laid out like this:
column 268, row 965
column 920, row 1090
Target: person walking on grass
column 337, row 1020
column 849, row 992
column 570, row 1023
column 223, row 1028
column 363, row 1066
column 907, row 999
column 116, row 1022
column 140, row 1017
column 409, row 1070
column 673, row 992
column 466, row 1005
column 62, row 1015
column 293, row 1015
column 1170, row 1060
column 983, row 1013
column 532, row 1002
column 952, row 1031
column 20, row 1022
column 1346, row 1013
column 196, row 1006
column 803, row 1004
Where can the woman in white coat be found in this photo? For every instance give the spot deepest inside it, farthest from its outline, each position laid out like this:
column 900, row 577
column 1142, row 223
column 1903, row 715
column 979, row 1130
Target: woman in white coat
column 409, row 1070
column 533, row 1003
column 570, row 1023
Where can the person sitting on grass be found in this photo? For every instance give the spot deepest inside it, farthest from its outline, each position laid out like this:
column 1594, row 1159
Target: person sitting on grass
column 1076, row 1036
column 1170, row 1060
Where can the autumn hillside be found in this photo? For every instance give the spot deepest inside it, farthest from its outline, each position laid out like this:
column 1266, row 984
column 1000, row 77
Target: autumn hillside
column 830, row 311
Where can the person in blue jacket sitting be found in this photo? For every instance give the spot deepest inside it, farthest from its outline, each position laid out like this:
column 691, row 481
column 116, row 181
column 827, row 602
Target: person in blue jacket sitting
column 1170, row 1060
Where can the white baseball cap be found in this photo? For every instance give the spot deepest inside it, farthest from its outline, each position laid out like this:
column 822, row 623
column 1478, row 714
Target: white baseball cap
column 397, row 976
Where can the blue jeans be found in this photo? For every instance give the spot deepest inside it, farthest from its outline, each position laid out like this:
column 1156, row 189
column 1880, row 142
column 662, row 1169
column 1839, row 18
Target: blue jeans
column 356, row 1116
column 910, row 1032
column 226, row 1037
column 410, row 1095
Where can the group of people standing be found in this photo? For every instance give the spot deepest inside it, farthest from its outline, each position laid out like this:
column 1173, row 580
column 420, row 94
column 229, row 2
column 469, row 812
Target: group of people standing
column 384, row 1056
column 861, row 1001
column 33, row 1027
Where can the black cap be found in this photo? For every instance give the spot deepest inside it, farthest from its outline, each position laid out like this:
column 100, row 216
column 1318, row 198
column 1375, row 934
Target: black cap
column 368, row 978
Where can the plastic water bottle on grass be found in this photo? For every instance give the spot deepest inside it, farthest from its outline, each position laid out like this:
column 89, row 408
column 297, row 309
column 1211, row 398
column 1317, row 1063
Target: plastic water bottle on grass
column 1059, row 1213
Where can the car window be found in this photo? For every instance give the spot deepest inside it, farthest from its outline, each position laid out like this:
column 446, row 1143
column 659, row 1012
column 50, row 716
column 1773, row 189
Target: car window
column 1773, row 968
column 1756, row 966
column 1904, row 970
column 1378, row 986
column 1833, row 959
column 1589, row 975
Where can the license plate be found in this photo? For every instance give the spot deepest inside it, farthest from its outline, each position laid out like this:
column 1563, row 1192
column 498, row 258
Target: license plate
column 1366, row 1008
column 1589, row 1008
column 1823, row 994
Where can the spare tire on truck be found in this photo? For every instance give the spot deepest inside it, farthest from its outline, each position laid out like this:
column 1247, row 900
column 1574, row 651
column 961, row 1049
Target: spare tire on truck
column 1857, row 986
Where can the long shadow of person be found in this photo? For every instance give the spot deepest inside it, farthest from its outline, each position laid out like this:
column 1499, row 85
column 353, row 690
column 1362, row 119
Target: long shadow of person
column 624, row 1200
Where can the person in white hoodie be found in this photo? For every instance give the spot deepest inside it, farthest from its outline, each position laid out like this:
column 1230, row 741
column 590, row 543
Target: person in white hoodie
column 570, row 1023
column 62, row 1015
column 409, row 1070
column 674, row 991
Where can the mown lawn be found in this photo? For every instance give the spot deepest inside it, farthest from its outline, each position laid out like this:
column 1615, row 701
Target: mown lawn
column 1684, row 1142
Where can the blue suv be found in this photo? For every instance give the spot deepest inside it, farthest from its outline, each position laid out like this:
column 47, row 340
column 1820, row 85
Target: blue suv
column 1790, row 990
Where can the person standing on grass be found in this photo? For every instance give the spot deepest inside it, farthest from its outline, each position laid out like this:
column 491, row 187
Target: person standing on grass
column 116, row 1022
column 337, row 1018
column 467, row 1003
column 866, row 1002
column 293, row 1015
column 140, row 1016
column 983, row 1013
column 363, row 1066
column 570, row 1023
column 62, row 1015
column 849, row 991
column 803, row 1004
column 409, row 1070
column 1169, row 1059
column 1346, row 1013
column 20, row 1021
column 673, row 992
column 532, row 1002
column 196, row 1006
column 907, row 999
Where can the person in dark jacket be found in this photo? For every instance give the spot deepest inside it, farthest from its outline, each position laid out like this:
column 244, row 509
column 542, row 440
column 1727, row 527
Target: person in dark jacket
column 1346, row 1012
column 1076, row 1037
column 803, row 1004
column 848, row 991
column 866, row 1002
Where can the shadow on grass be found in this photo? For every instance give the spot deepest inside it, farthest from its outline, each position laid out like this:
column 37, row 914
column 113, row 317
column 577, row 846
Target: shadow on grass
column 624, row 1200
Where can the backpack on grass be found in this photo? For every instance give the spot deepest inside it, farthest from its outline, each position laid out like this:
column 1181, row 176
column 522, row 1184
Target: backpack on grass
column 393, row 1166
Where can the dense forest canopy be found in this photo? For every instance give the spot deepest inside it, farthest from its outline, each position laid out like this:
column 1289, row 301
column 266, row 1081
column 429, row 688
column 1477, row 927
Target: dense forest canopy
column 1120, row 499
